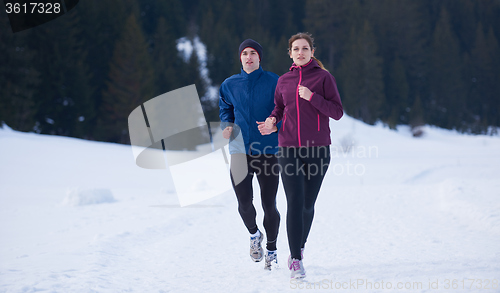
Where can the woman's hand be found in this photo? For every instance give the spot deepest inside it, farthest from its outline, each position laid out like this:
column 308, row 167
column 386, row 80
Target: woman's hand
column 269, row 123
column 267, row 127
column 226, row 133
column 305, row 93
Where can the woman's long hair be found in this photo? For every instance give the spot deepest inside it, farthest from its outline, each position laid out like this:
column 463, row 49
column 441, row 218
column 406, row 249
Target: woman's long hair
column 308, row 37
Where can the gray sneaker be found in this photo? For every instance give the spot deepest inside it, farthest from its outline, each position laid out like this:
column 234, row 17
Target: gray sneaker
column 297, row 269
column 256, row 251
column 290, row 258
column 271, row 260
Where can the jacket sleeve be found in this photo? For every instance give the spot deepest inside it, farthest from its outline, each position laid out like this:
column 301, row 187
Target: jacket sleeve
column 330, row 105
column 226, row 109
column 278, row 106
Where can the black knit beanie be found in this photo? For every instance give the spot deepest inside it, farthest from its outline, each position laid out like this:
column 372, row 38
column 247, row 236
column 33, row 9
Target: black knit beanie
column 252, row 44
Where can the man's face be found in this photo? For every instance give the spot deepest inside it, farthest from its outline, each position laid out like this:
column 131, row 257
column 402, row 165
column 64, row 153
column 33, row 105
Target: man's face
column 249, row 60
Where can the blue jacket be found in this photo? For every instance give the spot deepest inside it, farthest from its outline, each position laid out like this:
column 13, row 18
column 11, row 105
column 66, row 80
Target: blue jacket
column 244, row 99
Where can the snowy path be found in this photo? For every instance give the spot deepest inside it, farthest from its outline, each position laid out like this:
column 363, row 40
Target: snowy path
column 395, row 211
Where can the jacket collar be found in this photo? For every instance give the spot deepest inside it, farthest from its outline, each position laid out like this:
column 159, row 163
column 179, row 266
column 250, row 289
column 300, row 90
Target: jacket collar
column 311, row 64
column 254, row 74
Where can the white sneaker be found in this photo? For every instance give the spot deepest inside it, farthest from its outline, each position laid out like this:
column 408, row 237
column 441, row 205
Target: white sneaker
column 290, row 258
column 271, row 260
column 256, row 251
column 297, row 269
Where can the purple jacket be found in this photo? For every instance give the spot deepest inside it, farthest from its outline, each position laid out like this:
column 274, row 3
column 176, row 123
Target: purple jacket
column 306, row 123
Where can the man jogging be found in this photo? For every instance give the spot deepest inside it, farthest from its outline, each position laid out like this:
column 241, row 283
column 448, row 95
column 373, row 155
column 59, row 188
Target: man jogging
column 246, row 98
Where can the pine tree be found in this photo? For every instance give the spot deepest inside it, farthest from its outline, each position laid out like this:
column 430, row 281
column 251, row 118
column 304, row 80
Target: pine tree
column 447, row 83
column 18, row 78
column 102, row 23
column 152, row 10
column 478, row 64
column 360, row 76
column 329, row 22
column 187, row 140
column 463, row 19
column 63, row 98
column 282, row 18
column 485, row 77
column 192, row 75
column 494, row 95
column 80, row 109
column 276, row 57
column 417, row 117
column 166, row 60
column 130, row 83
column 397, row 90
column 221, row 39
column 412, row 37
column 402, row 30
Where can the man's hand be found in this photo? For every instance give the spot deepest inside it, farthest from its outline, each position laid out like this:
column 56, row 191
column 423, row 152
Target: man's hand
column 226, row 133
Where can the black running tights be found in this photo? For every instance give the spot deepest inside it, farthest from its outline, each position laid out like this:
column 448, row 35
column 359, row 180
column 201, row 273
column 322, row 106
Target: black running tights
column 260, row 165
column 302, row 172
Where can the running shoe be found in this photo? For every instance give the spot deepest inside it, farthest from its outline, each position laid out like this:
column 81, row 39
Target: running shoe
column 297, row 269
column 256, row 251
column 271, row 260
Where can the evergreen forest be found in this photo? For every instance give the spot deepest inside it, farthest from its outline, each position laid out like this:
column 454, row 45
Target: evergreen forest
column 410, row 62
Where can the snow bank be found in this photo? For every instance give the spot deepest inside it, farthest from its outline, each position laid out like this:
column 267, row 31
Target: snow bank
column 80, row 197
column 5, row 127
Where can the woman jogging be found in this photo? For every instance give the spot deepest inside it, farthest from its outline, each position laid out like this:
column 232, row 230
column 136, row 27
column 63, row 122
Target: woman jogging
column 305, row 97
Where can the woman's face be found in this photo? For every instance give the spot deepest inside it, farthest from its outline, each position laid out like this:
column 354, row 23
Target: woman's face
column 301, row 52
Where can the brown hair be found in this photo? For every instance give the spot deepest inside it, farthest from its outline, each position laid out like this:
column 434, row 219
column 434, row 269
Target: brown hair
column 308, row 37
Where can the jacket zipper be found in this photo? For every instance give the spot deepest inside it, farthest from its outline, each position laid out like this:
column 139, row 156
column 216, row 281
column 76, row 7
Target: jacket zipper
column 284, row 121
column 297, row 101
column 318, row 122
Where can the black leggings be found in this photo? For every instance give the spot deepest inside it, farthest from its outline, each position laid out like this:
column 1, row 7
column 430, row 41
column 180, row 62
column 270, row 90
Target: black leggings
column 302, row 172
column 268, row 181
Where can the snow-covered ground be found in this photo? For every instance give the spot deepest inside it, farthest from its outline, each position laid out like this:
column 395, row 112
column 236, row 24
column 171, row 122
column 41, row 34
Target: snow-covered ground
column 395, row 212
